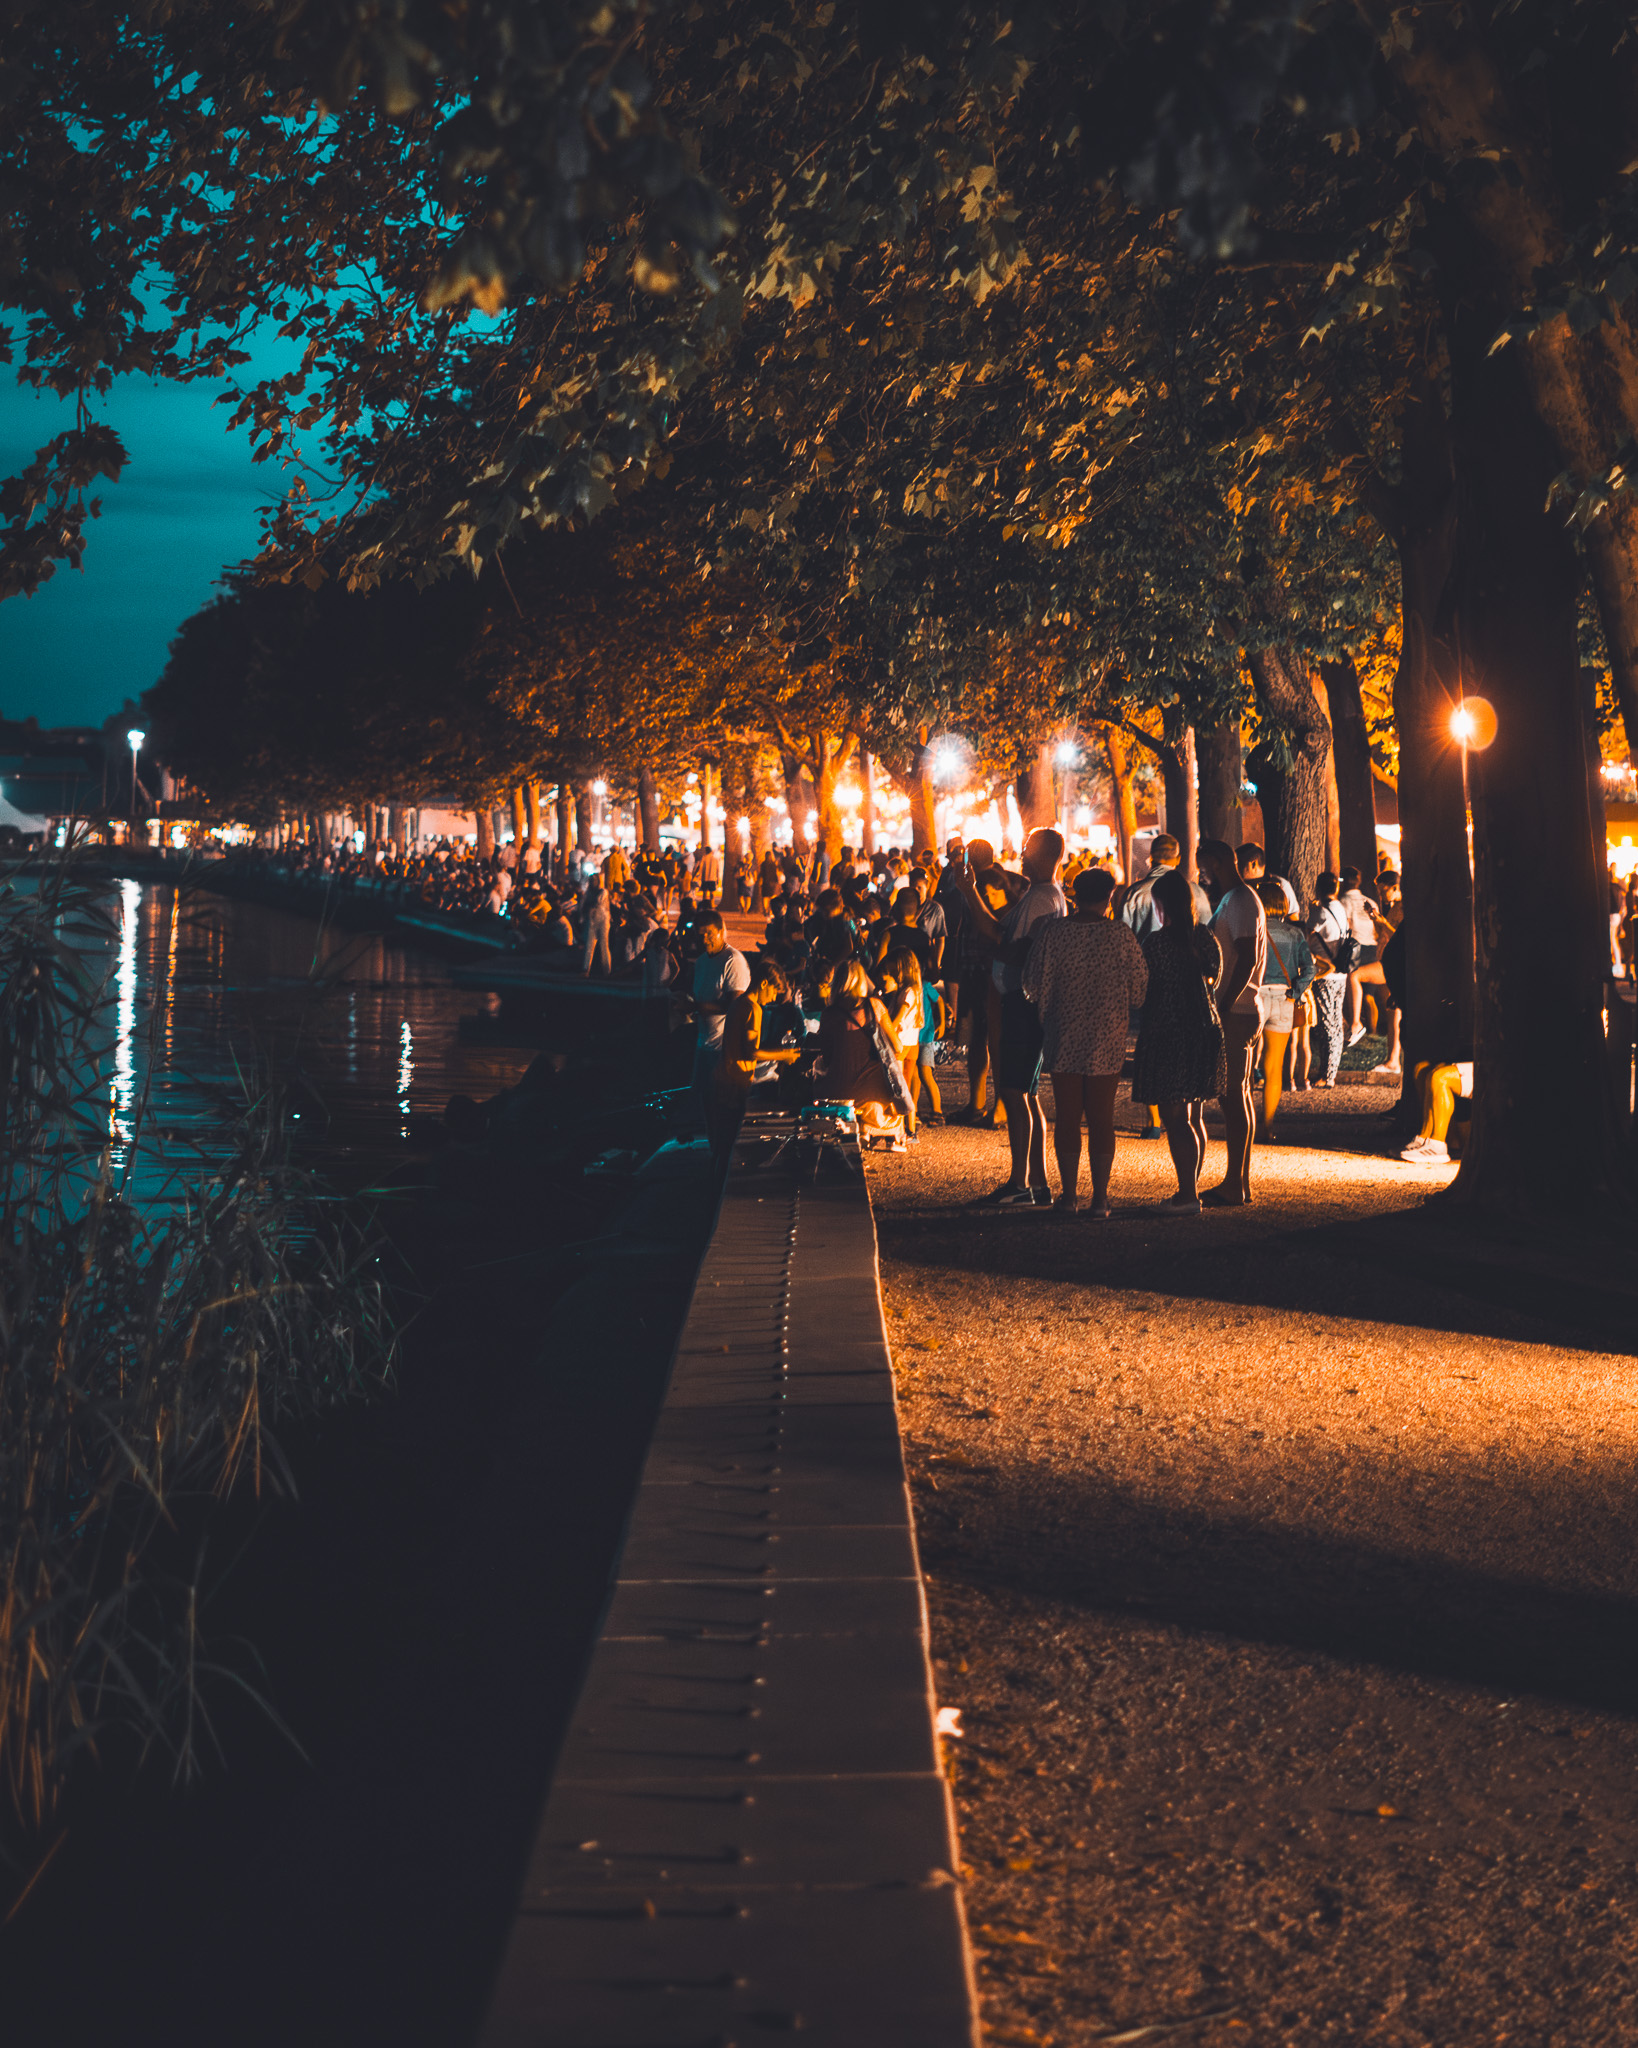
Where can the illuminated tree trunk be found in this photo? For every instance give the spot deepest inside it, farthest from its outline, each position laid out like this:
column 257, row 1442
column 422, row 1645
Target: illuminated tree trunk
column 486, row 832
column 1118, row 751
column 1222, row 771
column 1297, row 831
column 1037, row 798
column 565, row 815
column 710, row 784
column 798, row 803
column 1177, row 773
column 520, row 815
column 583, row 819
column 531, row 794
column 830, row 755
column 1355, row 777
column 923, row 794
column 648, row 809
column 867, row 808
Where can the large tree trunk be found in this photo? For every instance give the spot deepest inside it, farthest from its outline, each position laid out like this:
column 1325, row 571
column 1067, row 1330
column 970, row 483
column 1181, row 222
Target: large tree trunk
column 520, row 816
column 1222, row 772
column 565, row 817
column 486, row 832
column 832, row 755
column 1612, row 552
column 531, row 795
column 1177, row 775
column 799, row 803
column 1544, row 1131
column 867, row 804
column 1117, row 749
column 648, row 809
column 923, row 795
column 710, row 797
column 1297, row 831
column 1037, row 796
column 583, row 818
column 1356, row 779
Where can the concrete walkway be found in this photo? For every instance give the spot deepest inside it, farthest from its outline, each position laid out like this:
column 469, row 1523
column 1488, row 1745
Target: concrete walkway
column 1282, row 1565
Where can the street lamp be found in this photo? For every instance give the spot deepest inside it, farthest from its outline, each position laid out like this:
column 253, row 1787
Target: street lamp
column 134, row 738
column 1473, row 724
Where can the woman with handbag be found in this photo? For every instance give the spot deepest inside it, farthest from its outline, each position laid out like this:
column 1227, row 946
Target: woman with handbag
column 1288, row 976
column 852, row 1042
column 1181, row 1056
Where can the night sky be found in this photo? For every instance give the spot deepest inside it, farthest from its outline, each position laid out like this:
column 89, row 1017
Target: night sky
column 185, row 509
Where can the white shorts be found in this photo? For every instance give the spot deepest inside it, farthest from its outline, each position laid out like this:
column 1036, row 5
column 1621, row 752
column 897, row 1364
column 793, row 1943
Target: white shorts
column 1275, row 1006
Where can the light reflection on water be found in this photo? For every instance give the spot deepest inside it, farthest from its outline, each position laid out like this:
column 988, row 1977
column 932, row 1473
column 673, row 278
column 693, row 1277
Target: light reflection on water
column 207, row 994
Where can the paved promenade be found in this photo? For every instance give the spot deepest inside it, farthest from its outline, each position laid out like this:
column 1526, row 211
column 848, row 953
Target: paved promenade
column 1282, row 1566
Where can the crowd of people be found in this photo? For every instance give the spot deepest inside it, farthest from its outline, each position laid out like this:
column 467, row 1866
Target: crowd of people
column 875, row 969
column 1229, row 984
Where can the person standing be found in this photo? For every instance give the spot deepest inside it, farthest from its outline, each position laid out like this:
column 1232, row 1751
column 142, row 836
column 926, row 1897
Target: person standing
column 718, row 975
column 1018, row 1054
column 1180, row 1050
column 1138, row 913
column 744, row 1057
column 1141, row 917
column 1327, row 927
column 1242, row 932
column 708, row 873
column 594, row 928
column 1086, row 975
column 616, row 869
column 1290, row 969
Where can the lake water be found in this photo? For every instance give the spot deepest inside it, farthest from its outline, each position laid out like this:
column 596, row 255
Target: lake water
column 207, row 993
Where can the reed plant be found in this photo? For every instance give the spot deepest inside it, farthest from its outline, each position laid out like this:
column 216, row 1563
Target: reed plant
column 160, row 1319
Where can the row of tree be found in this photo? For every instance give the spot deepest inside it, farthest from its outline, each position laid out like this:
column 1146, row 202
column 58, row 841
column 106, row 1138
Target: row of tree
column 1164, row 362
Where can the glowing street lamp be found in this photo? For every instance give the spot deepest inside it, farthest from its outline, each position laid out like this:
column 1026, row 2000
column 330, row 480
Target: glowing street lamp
column 134, row 739
column 1068, row 753
column 1473, row 724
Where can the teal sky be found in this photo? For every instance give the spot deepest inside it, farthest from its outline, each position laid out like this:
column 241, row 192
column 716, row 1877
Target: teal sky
column 185, row 508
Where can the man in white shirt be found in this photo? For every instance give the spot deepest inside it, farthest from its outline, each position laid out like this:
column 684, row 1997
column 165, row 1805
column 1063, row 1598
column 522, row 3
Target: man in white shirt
column 1242, row 932
column 1139, row 914
column 1018, row 1055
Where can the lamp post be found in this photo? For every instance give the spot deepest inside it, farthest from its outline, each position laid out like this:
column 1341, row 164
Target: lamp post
column 134, row 739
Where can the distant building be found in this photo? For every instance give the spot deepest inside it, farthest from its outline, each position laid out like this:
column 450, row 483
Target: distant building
column 48, row 775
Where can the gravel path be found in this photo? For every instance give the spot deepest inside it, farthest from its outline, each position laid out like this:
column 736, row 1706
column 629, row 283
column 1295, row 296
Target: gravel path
column 1281, row 1568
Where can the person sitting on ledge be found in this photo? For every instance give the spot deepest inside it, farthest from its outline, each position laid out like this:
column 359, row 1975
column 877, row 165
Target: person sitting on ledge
column 1437, row 1088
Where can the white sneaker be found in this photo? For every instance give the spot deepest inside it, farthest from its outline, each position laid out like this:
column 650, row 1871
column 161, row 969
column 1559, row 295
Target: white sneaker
column 1356, row 1034
column 1427, row 1152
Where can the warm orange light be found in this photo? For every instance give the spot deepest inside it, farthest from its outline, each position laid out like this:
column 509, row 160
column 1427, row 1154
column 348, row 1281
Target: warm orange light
column 1473, row 724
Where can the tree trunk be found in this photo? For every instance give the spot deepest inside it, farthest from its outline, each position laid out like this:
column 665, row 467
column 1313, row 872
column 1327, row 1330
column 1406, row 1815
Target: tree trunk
column 710, row 786
column 520, row 815
column 761, row 840
column 583, row 819
column 1297, row 832
column 1222, row 772
column 1333, row 800
column 799, row 803
column 831, row 753
column 1612, row 553
column 1037, row 799
column 1117, row 749
column 565, row 814
column 867, row 808
column 1177, row 775
column 648, row 809
column 1356, row 779
column 531, row 797
column 486, row 833
column 1544, row 1130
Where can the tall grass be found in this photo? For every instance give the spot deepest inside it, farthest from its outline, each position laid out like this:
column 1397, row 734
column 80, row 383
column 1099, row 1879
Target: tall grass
column 148, row 1349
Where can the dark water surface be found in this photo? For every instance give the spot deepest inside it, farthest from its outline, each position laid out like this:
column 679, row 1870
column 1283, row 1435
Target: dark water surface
column 419, row 1616
column 208, row 994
